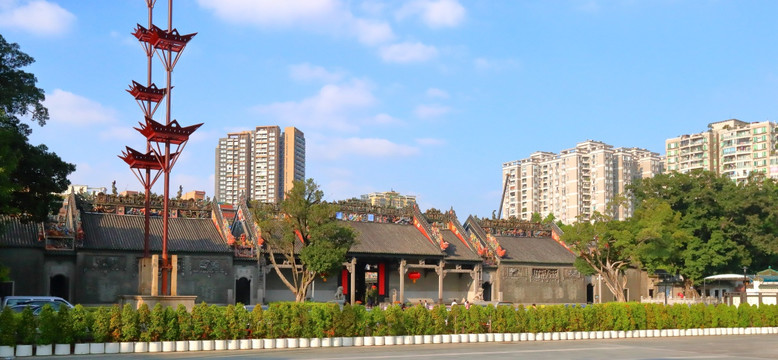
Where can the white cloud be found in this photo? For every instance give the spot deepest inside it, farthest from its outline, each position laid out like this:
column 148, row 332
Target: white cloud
column 333, row 107
column 68, row 108
column 333, row 149
column 430, row 142
column 307, row 71
column 328, row 16
column 386, row 119
column 407, row 52
column 123, row 134
column 38, row 17
column 431, row 111
column 434, row 13
column 437, row 93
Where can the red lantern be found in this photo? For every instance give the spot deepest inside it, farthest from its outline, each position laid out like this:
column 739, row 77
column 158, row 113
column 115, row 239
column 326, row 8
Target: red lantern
column 414, row 275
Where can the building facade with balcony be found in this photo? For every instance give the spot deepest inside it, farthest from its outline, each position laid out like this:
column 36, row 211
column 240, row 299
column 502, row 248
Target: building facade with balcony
column 575, row 182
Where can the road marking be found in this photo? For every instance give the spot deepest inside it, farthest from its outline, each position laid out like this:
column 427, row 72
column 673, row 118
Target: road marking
column 438, row 354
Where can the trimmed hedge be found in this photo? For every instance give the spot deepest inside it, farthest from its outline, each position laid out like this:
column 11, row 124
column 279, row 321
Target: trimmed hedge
column 294, row 320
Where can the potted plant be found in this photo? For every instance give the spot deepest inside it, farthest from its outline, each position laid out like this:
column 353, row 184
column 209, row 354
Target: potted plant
column 48, row 329
column 129, row 329
column 184, row 322
column 144, row 321
column 220, row 327
column 114, row 330
column 395, row 321
column 202, row 326
column 64, row 339
column 156, row 328
column 242, row 319
column 26, row 332
column 7, row 332
column 171, row 333
column 81, row 320
column 100, row 330
column 257, row 327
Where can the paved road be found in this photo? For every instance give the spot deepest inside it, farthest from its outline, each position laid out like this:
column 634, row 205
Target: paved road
column 698, row 347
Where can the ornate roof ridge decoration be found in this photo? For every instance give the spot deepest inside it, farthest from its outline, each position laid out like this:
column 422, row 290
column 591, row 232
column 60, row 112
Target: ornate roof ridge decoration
column 139, row 160
column 142, row 93
column 174, row 133
column 143, row 34
column 168, row 40
column 514, row 227
column 361, row 207
column 138, row 200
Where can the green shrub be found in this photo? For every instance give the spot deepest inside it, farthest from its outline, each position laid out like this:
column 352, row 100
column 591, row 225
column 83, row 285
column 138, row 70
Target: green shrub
column 697, row 316
column 620, row 315
column 171, row 332
column 48, row 327
column 418, row 320
column 130, row 330
column 157, row 323
column 439, row 319
column 475, row 320
column 64, row 326
column 202, row 326
column 26, row 326
column 184, row 321
column 576, row 315
column 81, row 319
column 637, row 316
column 521, row 319
column 101, row 325
column 350, row 322
column 378, row 322
column 257, row 323
column 561, row 317
column 395, row 321
column 221, row 327
column 457, row 319
column 144, row 322
column 744, row 315
column 7, row 327
column 115, row 324
column 533, row 320
column 242, row 319
column 504, row 319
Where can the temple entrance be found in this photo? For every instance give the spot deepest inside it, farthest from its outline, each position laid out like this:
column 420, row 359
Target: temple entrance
column 59, row 285
column 487, row 286
column 243, row 291
column 589, row 293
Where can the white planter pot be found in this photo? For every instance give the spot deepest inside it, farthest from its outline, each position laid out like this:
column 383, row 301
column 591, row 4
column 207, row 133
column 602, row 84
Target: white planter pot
column 43, row 350
column 585, row 335
column 208, row 345
column 568, row 335
column 546, row 336
column 79, row 349
column 530, row 336
column 220, row 345
column 614, row 334
column 293, row 343
column 428, row 339
column 155, row 346
column 514, row 337
column 455, row 338
column 111, row 348
column 368, row 341
column 195, row 345
column 348, row 341
column 359, row 341
column 599, row 334
column 304, row 343
column 555, row 336
column 663, row 333
column 642, row 333
column 620, row 334
column 182, row 346
column 280, row 343
column 578, row 335
column 126, row 347
column 326, row 342
column 437, row 339
column 408, row 340
column 268, row 343
column 631, row 334
column 676, row 332
column 243, row 344
column 315, row 342
column 378, row 340
column 61, row 349
column 167, row 346
column 730, row 331
column 445, row 338
column 23, row 350
column 232, row 344
column 338, row 341
column 473, row 338
column 389, row 340
column 499, row 337
column 95, row 348
column 464, row 338
column 418, row 339
column 141, row 347
column 523, row 336
column 6, row 352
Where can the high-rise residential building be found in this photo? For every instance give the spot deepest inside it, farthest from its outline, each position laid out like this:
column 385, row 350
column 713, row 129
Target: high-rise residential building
column 389, row 199
column 730, row 148
column 250, row 164
column 576, row 182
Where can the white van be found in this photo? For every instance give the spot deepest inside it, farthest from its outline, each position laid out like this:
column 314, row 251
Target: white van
column 18, row 303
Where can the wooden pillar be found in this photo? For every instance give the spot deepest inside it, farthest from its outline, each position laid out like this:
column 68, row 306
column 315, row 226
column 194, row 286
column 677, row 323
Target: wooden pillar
column 441, row 275
column 174, row 276
column 352, row 284
column 154, row 275
column 402, row 280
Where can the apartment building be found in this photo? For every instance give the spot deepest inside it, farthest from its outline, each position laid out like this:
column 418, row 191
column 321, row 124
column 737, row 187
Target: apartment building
column 389, row 199
column 251, row 164
column 731, row 148
column 575, row 182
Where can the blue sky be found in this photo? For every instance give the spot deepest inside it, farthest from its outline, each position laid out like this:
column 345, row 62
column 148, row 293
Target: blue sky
column 426, row 97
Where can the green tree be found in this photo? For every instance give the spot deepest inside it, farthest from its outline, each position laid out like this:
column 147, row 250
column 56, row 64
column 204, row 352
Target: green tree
column 7, row 327
column 305, row 235
column 30, row 176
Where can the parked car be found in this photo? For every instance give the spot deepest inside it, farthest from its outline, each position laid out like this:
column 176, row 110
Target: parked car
column 18, row 303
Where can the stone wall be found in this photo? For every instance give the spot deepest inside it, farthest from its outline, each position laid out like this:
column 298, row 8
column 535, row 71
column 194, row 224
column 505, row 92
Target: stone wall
column 540, row 284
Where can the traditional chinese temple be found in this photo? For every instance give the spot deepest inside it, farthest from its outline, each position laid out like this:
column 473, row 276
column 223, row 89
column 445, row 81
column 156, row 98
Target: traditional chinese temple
column 88, row 253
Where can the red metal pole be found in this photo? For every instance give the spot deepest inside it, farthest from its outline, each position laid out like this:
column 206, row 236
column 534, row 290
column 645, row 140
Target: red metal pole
column 147, row 185
column 166, row 213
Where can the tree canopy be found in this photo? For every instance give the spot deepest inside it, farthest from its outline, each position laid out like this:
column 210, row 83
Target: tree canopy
column 304, row 233
column 29, row 175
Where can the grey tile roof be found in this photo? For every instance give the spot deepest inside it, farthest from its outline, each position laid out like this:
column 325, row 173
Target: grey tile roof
column 534, row 250
column 14, row 233
column 456, row 249
column 391, row 239
column 125, row 232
